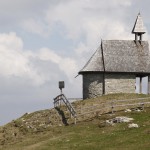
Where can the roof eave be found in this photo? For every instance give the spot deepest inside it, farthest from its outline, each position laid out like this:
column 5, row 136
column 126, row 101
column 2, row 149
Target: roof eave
column 84, row 72
column 136, row 73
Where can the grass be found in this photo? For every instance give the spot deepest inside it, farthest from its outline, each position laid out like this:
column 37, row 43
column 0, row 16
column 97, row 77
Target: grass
column 92, row 134
column 108, row 98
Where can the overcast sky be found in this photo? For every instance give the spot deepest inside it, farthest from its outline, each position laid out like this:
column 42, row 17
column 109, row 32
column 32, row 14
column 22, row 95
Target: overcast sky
column 45, row 41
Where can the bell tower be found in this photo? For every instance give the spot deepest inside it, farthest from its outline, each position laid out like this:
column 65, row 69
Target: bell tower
column 138, row 28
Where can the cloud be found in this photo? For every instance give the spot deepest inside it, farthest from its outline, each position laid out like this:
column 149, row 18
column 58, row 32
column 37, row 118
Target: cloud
column 15, row 13
column 38, row 27
column 46, row 54
column 65, row 64
column 17, row 62
column 81, row 17
column 12, row 60
column 77, row 18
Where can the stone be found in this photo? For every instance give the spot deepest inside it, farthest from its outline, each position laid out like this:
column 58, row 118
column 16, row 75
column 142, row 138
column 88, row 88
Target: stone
column 123, row 119
column 109, row 122
column 120, row 119
column 133, row 125
column 23, row 119
column 68, row 140
column 128, row 110
column 137, row 110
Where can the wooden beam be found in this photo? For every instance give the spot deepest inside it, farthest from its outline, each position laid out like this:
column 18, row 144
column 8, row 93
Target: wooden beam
column 140, row 85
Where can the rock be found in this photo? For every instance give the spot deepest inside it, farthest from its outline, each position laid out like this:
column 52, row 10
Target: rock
column 133, row 125
column 67, row 140
column 128, row 110
column 137, row 110
column 27, row 113
column 103, row 131
column 35, row 129
column 23, row 119
column 109, row 122
column 123, row 119
column 14, row 134
column 120, row 119
column 42, row 124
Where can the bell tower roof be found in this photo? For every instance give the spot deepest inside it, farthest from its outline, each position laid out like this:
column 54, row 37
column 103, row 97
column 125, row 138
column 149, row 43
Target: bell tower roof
column 138, row 26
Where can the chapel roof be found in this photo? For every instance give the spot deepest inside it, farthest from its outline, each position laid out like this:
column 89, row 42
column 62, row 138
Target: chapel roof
column 95, row 63
column 120, row 56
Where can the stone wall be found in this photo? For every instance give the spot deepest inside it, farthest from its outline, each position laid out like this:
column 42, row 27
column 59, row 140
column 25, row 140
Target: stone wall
column 120, row 83
column 92, row 85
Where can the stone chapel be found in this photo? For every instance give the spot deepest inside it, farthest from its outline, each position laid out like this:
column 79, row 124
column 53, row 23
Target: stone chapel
column 116, row 64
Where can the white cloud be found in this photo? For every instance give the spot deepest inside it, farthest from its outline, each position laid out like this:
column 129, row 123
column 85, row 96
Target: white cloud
column 11, row 41
column 69, row 66
column 11, row 57
column 80, row 17
column 47, row 54
column 65, row 64
column 36, row 27
column 15, row 61
column 77, row 17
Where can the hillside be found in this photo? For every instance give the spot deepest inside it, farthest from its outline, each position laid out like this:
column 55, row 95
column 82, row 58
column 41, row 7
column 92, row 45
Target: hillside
column 53, row 129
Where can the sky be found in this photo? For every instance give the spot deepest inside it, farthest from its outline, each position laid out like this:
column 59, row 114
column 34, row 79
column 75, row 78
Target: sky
column 43, row 42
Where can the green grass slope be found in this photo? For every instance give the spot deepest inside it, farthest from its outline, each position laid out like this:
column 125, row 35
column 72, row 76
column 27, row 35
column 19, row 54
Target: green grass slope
column 44, row 130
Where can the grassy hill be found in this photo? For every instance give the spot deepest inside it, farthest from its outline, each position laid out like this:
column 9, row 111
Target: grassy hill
column 45, row 130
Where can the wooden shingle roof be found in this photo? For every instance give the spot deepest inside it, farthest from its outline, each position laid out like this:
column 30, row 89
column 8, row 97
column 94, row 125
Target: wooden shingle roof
column 95, row 63
column 120, row 56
